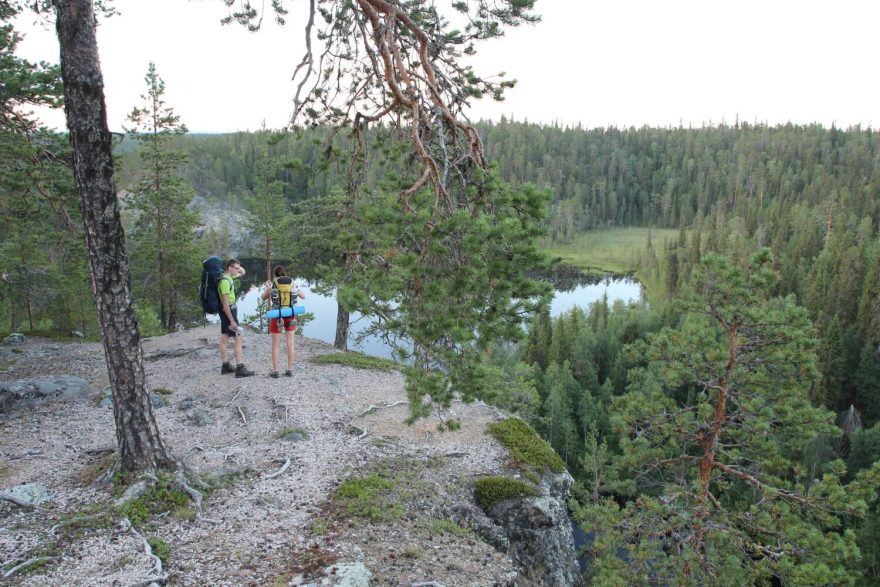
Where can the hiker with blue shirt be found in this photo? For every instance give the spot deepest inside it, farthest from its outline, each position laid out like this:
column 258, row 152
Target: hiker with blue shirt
column 282, row 293
column 229, row 319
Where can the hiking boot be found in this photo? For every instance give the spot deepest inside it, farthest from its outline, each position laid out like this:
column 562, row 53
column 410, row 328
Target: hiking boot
column 274, row 374
column 227, row 368
column 242, row 371
column 288, row 373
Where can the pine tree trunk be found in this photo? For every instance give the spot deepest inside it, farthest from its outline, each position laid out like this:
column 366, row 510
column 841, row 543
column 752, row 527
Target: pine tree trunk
column 139, row 444
column 342, row 317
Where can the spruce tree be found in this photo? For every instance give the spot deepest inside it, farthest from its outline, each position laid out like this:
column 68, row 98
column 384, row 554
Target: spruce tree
column 163, row 239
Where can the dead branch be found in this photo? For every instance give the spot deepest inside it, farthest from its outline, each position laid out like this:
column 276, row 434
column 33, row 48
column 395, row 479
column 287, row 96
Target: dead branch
column 27, row 563
column 374, row 408
column 280, row 471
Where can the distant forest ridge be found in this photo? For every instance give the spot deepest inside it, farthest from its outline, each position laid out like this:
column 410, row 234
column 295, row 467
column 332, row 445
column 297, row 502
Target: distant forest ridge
column 663, row 177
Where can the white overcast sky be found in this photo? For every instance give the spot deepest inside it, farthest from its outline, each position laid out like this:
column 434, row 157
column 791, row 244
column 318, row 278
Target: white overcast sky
column 597, row 63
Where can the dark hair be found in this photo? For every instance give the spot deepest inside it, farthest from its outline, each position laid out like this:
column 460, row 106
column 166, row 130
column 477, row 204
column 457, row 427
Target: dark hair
column 231, row 262
column 280, row 270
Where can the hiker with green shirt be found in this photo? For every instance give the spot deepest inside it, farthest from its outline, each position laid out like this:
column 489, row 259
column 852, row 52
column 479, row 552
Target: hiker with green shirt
column 229, row 320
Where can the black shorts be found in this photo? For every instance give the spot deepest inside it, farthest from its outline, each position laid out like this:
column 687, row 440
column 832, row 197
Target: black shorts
column 224, row 321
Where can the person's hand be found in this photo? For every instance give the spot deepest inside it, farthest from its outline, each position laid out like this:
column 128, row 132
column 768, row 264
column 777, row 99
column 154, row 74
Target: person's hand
column 233, row 326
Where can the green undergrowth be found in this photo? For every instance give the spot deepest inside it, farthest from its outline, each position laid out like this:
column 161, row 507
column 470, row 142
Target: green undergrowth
column 160, row 548
column 163, row 498
column 49, row 334
column 357, row 360
column 448, row 526
column 385, row 492
column 489, row 491
column 370, row 497
column 530, row 453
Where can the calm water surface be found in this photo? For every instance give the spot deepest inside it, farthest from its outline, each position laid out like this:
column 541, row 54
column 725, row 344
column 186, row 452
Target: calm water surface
column 570, row 293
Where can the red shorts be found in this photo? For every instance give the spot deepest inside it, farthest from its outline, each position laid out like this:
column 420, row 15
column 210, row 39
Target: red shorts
column 289, row 325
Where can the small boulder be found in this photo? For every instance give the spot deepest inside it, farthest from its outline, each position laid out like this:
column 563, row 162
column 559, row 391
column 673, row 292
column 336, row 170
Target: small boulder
column 339, row 575
column 29, row 494
column 14, row 338
column 200, row 416
column 156, row 400
column 293, row 437
column 27, row 393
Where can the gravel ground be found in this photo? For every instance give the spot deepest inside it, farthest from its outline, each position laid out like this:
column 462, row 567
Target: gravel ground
column 259, row 530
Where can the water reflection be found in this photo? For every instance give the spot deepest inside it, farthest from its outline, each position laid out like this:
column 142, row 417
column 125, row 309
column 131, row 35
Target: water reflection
column 572, row 288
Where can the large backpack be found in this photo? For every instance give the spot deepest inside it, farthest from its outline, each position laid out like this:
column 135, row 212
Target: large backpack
column 283, row 299
column 212, row 272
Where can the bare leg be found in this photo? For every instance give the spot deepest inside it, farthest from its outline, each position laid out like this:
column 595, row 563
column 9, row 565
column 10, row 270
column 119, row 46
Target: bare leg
column 237, row 347
column 224, row 339
column 276, row 347
column 291, row 349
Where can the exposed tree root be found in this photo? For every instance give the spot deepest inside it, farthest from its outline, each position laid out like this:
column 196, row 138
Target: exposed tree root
column 146, row 482
column 157, row 562
column 194, row 494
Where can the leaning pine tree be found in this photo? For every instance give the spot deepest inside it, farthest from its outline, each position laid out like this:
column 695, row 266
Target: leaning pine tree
column 711, row 433
column 444, row 266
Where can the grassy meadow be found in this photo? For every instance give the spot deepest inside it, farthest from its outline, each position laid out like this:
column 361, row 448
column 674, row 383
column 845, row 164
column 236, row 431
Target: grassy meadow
column 612, row 249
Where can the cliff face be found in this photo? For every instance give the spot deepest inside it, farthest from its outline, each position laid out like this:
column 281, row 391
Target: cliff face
column 316, row 477
column 540, row 533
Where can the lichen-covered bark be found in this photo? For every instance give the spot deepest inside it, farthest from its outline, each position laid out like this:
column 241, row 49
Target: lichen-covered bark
column 140, row 447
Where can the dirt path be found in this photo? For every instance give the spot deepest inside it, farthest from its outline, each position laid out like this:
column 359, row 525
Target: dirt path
column 265, row 531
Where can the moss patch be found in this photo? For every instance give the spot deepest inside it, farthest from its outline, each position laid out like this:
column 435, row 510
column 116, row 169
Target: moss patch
column 525, row 446
column 158, row 500
column 369, row 497
column 491, row 490
column 289, row 430
column 356, row 360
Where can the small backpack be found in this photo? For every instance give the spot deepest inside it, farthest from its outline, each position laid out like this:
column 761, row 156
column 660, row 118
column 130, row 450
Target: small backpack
column 212, row 272
column 283, row 295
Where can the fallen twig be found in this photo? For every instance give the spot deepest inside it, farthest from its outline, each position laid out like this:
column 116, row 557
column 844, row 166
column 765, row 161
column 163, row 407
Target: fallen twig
column 235, row 397
column 241, row 413
column 374, row 408
column 27, row 563
column 279, row 471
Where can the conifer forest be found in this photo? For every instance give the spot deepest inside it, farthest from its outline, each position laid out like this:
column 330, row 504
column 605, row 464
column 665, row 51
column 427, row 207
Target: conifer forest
column 725, row 425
